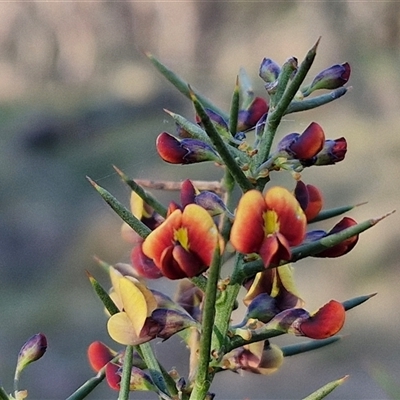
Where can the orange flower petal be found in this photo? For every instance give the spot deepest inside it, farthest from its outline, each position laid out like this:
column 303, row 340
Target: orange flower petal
column 162, row 237
column 326, row 322
column 201, row 231
column 247, row 232
column 291, row 218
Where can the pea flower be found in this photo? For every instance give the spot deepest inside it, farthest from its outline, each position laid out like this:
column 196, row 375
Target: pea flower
column 33, row 349
column 341, row 248
column 184, row 151
column 141, row 318
column 324, row 323
column 183, row 245
column 330, row 78
column 249, row 117
column 303, row 146
column 332, row 152
column 268, row 225
column 309, row 198
column 269, row 70
column 259, row 358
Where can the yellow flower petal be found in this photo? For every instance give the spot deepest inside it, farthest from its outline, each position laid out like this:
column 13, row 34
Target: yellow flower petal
column 121, row 330
column 134, row 303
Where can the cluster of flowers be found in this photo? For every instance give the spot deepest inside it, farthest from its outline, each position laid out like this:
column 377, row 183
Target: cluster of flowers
column 255, row 238
column 183, row 240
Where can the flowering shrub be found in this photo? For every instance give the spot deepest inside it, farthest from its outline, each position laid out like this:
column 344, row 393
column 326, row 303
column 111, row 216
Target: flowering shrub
column 258, row 235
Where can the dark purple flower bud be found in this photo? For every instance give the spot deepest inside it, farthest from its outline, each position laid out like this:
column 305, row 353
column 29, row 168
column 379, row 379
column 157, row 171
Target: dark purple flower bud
column 304, row 146
column 341, row 248
column 269, row 70
column 171, row 321
column 184, row 151
column 330, row 78
column 212, row 203
column 248, row 118
column 332, row 152
column 188, row 192
column 31, row 351
column 263, row 307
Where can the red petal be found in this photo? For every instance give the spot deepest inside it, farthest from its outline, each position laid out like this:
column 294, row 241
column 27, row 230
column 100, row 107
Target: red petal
column 162, row 237
column 169, row 267
column 247, row 232
column 169, row 148
column 291, row 218
column 326, row 322
column 144, row 266
column 112, row 375
column 309, row 143
column 343, row 247
column 201, row 231
column 188, row 262
column 99, row 355
column 188, row 193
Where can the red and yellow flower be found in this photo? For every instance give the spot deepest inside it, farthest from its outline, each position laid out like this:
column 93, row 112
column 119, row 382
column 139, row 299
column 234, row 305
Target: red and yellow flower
column 184, row 244
column 268, row 225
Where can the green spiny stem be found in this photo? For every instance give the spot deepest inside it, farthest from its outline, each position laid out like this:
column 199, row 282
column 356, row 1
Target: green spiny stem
column 204, row 375
column 145, row 196
column 356, row 301
column 103, row 295
column 126, row 374
column 156, row 372
column 226, row 223
column 298, row 348
column 264, row 332
column 309, row 104
column 221, row 148
column 139, row 227
column 288, row 68
column 250, row 269
column 183, row 86
column 225, row 306
column 90, row 384
column 325, row 390
column 275, row 116
column 195, row 131
column 333, row 212
column 234, row 111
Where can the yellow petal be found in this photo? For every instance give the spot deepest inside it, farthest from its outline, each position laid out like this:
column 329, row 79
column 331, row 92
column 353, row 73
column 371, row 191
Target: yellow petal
column 134, row 303
column 121, row 330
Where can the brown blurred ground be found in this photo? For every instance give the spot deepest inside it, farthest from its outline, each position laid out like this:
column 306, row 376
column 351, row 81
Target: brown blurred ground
column 77, row 95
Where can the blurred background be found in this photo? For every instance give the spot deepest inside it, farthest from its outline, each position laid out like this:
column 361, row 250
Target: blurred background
column 77, row 95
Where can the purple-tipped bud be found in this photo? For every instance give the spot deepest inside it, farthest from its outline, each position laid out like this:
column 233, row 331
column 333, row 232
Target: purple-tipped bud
column 188, row 193
column 248, row 118
column 304, row 146
column 263, row 307
column 269, row 70
column 184, row 151
column 330, row 78
column 219, row 122
column 171, row 321
column 332, row 152
column 212, row 203
column 31, row 351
